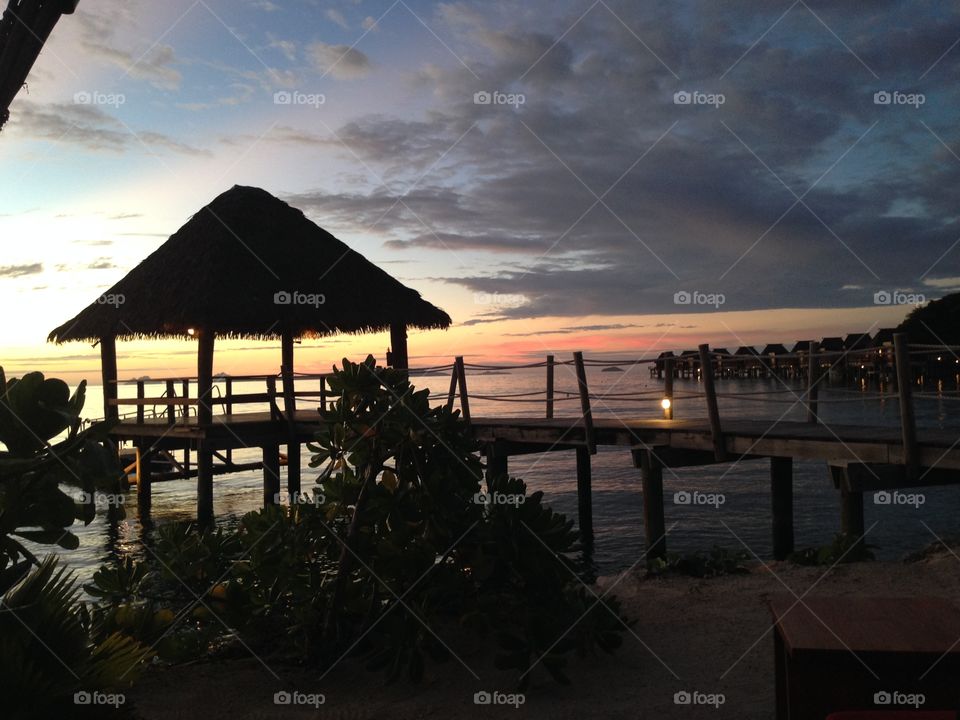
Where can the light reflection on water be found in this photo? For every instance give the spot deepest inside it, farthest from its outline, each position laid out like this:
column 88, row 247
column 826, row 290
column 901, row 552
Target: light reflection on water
column 617, row 501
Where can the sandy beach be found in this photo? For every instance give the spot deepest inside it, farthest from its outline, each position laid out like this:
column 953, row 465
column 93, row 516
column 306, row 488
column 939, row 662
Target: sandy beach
column 711, row 636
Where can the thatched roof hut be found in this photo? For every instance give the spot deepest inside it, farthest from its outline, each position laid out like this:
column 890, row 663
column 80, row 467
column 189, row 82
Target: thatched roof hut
column 856, row 341
column 249, row 266
column 831, row 344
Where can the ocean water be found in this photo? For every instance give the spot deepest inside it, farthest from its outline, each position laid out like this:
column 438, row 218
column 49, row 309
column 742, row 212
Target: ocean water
column 742, row 522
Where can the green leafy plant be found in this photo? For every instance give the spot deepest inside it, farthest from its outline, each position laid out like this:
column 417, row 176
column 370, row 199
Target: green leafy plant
column 719, row 561
column 47, row 654
column 843, row 549
column 34, row 469
column 397, row 538
column 47, row 649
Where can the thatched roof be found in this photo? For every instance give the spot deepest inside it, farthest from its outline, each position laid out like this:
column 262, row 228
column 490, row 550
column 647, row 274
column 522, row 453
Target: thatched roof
column 249, row 265
column 774, row 349
column 856, row 341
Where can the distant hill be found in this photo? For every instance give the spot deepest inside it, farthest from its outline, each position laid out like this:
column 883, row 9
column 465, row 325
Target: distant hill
column 935, row 323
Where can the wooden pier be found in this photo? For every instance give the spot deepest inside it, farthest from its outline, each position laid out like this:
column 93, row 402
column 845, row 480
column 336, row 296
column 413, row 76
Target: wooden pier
column 860, row 459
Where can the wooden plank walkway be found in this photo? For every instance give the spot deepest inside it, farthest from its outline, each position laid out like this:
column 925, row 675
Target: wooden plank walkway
column 758, row 438
column 861, row 459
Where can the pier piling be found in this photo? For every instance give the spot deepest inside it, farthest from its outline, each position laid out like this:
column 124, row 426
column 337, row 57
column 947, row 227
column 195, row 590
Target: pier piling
column 271, row 474
column 585, row 495
column 781, row 490
column 654, row 524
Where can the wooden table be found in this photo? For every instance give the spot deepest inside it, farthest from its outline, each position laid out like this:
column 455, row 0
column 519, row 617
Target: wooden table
column 836, row 653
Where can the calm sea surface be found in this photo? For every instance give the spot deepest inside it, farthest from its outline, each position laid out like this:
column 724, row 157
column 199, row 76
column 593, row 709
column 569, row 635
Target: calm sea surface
column 741, row 522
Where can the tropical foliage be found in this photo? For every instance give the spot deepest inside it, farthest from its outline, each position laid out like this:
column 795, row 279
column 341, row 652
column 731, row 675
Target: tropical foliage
column 397, row 549
column 48, row 659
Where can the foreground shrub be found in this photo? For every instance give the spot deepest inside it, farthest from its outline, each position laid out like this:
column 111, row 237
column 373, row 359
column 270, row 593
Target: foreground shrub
column 395, row 546
column 47, row 652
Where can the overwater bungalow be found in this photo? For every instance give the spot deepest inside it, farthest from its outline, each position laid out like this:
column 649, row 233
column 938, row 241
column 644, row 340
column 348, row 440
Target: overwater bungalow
column 747, row 362
column 721, row 359
column 774, row 360
column 660, row 365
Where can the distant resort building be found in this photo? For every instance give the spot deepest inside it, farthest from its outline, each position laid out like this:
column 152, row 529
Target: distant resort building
column 856, row 357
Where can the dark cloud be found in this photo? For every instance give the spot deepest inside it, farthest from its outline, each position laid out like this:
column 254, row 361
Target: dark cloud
column 15, row 271
column 101, row 264
column 90, row 127
column 578, row 329
column 691, row 198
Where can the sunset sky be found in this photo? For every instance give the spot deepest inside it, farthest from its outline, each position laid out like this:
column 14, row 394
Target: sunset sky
column 779, row 164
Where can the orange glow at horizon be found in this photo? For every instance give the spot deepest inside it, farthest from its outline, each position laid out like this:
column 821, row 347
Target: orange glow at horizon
column 502, row 342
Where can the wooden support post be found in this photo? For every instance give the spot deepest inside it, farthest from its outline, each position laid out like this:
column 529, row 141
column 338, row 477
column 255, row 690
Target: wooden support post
column 204, row 421
column 813, row 381
column 290, row 410
column 228, row 408
column 781, row 492
column 550, row 365
column 497, row 461
column 908, row 427
column 140, row 406
column 271, row 474
column 453, row 386
column 706, row 373
column 185, row 409
column 171, row 410
column 144, row 481
column 462, row 383
column 585, row 496
column 851, row 505
column 228, row 396
column 323, row 393
column 272, row 398
column 108, row 370
column 668, row 388
column 398, row 343
column 654, row 524
column 585, row 410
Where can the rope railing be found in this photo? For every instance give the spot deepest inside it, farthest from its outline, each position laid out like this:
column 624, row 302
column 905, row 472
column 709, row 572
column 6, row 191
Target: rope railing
column 177, row 405
column 813, row 364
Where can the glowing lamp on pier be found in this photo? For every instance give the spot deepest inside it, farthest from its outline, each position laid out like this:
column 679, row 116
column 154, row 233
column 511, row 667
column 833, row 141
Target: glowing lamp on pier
column 191, row 332
column 667, row 405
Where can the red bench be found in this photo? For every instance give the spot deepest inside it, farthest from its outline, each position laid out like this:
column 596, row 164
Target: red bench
column 836, row 655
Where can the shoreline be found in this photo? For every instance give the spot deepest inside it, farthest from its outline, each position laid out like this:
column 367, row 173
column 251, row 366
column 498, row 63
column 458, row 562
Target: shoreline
column 705, row 635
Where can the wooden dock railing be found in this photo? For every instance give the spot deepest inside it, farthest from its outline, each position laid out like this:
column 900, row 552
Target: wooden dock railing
column 171, row 401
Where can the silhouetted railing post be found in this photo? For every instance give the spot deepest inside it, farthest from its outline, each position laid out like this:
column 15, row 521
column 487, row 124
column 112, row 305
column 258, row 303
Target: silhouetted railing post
column 451, row 396
column 908, row 427
column 668, row 389
column 140, row 399
column 549, row 386
column 813, row 381
column 706, row 373
column 171, row 409
column 462, row 383
column 585, row 403
column 228, row 408
column 272, row 398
